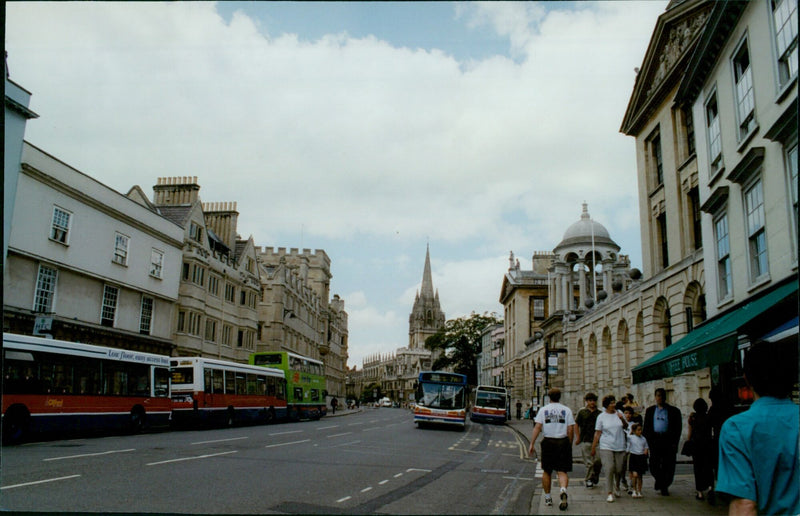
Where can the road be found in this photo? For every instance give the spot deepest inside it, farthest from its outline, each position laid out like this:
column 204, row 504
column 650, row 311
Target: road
column 375, row 461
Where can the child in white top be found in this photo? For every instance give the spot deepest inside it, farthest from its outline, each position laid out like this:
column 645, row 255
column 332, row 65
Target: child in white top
column 637, row 461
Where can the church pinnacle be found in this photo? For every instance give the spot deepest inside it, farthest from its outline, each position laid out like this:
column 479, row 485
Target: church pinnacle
column 426, row 316
column 427, row 280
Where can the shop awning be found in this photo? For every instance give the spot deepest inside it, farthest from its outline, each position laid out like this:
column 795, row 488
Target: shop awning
column 712, row 343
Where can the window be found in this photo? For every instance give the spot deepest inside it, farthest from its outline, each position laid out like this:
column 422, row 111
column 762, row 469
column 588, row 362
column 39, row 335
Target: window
column 714, row 140
column 538, row 308
column 743, row 80
column 724, row 277
column 121, row 249
column 656, row 163
column 195, row 232
column 242, row 297
column 695, row 212
column 213, row 285
column 227, row 332
column 784, row 19
column 240, row 339
column 661, row 222
column 230, row 293
column 146, row 316
column 756, row 234
column 43, row 299
column 791, row 166
column 189, row 322
column 185, row 271
column 688, row 126
column 211, row 330
column 60, row 228
column 198, row 274
column 156, row 263
column 109, row 309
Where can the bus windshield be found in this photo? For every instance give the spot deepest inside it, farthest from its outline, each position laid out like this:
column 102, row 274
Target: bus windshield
column 442, row 396
column 490, row 399
column 182, row 375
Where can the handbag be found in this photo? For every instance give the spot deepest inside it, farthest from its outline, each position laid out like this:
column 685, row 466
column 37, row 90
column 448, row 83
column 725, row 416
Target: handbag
column 688, row 448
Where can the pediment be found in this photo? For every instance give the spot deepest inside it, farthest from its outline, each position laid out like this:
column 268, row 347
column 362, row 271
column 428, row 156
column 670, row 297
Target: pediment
column 671, row 45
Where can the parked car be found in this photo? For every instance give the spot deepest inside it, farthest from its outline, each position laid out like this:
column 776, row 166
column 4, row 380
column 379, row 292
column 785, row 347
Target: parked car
column 386, row 402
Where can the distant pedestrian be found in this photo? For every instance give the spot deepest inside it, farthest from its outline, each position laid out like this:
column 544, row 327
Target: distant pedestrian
column 609, row 440
column 699, row 437
column 637, row 458
column 519, row 409
column 334, row 404
column 627, row 411
column 718, row 413
column 555, row 422
column 759, row 460
column 662, row 429
column 584, row 436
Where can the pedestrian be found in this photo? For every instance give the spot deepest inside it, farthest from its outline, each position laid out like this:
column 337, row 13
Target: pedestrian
column 637, row 417
column 700, row 447
column 519, row 409
column 662, row 429
column 555, row 422
column 609, row 441
column 637, row 458
column 628, row 413
column 334, row 404
column 584, row 436
column 759, row 461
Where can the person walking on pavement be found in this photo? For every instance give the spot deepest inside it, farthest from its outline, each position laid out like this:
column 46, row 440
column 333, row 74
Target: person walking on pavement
column 584, row 435
column 701, row 448
column 334, row 404
column 637, row 458
column 556, row 423
column 609, row 440
column 519, row 409
column 662, row 429
column 759, row 460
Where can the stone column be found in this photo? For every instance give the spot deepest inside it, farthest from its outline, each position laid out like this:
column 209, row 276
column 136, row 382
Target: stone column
column 582, row 282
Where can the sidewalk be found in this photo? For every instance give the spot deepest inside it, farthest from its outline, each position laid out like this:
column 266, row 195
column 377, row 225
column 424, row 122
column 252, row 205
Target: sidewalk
column 680, row 502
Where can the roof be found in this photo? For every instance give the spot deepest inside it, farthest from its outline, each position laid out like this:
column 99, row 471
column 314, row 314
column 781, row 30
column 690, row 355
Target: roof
column 176, row 214
column 586, row 231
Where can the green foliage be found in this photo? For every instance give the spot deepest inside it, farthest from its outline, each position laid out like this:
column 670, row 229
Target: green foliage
column 460, row 343
column 367, row 393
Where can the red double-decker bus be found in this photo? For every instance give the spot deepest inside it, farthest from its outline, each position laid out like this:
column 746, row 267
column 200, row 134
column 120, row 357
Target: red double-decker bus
column 210, row 391
column 56, row 387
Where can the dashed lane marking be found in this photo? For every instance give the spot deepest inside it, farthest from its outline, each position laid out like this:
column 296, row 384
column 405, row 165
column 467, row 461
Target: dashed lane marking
column 39, row 482
column 192, row 458
column 286, row 444
column 221, row 440
column 88, row 455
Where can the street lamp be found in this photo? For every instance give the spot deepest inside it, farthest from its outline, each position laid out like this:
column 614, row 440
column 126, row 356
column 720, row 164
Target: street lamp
column 510, row 387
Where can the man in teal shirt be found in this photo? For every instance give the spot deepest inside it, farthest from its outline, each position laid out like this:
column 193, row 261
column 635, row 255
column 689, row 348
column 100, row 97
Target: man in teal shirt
column 759, row 463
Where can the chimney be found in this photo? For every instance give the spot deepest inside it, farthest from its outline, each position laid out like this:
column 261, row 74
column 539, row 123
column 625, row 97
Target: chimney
column 175, row 191
column 222, row 218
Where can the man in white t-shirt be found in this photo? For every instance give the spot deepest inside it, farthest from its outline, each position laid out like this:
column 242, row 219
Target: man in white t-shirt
column 555, row 422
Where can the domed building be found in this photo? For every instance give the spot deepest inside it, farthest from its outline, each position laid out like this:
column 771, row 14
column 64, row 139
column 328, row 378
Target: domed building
column 588, row 257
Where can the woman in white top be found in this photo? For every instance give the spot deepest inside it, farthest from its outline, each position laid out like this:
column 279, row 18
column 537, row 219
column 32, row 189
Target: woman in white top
column 609, row 438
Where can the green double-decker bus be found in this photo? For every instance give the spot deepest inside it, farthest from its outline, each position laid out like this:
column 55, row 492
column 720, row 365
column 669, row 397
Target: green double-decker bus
column 305, row 382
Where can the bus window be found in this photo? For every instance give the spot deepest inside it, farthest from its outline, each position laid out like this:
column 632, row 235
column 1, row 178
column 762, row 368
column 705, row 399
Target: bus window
column 267, row 359
column 219, row 381
column 298, row 394
column 230, row 382
column 271, row 386
column 261, row 385
column 314, row 394
column 182, row 375
column 161, row 382
column 207, row 381
column 281, row 390
column 251, row 383
column 241, row 388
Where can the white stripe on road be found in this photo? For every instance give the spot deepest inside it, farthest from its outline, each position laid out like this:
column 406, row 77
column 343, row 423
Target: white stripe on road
column 339, row 435
column 366, row 489
column 286, row 444
column 39, row 482
column 221, row 440
column 290, row 432
column 327, row 427
column 340, row 500
column 88, row 455
column 191, row 458
column 382, row 482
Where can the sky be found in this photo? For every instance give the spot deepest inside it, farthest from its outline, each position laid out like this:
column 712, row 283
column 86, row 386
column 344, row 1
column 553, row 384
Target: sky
column 369, row 130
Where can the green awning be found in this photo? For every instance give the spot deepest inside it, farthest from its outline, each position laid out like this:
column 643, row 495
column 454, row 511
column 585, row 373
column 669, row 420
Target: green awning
column 712, row 343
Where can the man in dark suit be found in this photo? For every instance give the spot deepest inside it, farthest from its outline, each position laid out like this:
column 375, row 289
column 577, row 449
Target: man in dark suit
column 662, row 429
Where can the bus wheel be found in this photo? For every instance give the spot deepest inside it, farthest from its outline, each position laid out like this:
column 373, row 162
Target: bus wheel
column 16, row 424
column 231, row 417
column 137, row 420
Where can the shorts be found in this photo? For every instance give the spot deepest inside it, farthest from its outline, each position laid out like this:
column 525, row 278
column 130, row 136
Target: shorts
column 556, row 454
column 637, row 463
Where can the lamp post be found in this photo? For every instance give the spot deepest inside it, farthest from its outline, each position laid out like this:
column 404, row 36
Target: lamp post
column 510, row 387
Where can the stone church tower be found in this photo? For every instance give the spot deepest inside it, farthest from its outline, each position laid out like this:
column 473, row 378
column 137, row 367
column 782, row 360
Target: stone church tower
column 426, row 317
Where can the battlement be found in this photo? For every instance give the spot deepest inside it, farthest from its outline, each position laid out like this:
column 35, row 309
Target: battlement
column 316, row 257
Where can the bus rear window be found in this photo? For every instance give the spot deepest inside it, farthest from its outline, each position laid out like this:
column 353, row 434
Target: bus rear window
column 181, row 375
column 267, row 359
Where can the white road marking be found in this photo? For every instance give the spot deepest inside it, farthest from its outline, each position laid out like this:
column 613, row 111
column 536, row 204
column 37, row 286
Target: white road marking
column 340, row 500
column 327, row 427
column 290, row 432
column 398, row 475
column 366, row 489
column 39, row 482
column 339, row 435
column 88, row 455
column 518, row 478
column 382, row 482
column 286, row 444
column 221, row 440
column 409, row 470
column 191, row 458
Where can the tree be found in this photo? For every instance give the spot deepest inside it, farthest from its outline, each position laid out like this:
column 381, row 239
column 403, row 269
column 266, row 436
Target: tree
column 460, row 343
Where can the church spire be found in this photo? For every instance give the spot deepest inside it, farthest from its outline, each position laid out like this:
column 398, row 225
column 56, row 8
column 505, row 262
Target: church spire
column 427, row 281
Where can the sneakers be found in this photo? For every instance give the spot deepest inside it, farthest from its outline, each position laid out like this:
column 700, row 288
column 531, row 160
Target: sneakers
column 589, row 484
column 563, row 504
column 610, row 498
column 548, row 501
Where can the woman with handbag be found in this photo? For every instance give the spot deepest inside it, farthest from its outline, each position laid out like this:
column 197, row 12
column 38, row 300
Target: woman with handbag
column 699, row 446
